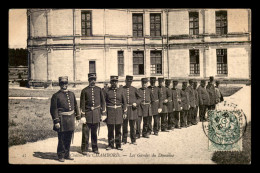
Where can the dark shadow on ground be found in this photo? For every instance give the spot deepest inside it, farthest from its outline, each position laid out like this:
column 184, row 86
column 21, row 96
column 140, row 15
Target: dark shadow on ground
column 46, row 155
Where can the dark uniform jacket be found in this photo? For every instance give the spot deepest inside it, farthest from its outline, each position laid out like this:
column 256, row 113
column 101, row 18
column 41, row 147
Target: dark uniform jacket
column 92, row 97
column 185, row 99
column 191, row 96
column 63, row 103
column 144, row 109
column 212, row 94
column 203, row 96
column 169, row 104
column 157, row 102
column 132, row 96
column 176, row 99
column 165, row 94
column 196, row 97
column 115, row 97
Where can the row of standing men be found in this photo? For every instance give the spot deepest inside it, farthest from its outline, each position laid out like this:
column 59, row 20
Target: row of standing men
column 170, row 108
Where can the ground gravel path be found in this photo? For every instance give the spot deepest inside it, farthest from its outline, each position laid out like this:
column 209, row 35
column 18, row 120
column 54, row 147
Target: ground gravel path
column 181, row 146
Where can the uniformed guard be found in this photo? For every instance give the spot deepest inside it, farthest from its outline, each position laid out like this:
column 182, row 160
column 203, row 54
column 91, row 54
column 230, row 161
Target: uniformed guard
column 164, row 94
column 195, row 121
column 169, row 104
column 192, row 103
column 212, row 93
column 133, row 98
column 156, row 104
column 177, row 104
column 185, row 104
column 219, row 96
column 116, row 106
column 92, row 105
column 63, row 110
column 203, row 100
column 144, row 109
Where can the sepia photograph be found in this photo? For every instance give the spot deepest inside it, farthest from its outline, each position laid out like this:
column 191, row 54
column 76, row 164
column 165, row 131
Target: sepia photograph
column 93, row 86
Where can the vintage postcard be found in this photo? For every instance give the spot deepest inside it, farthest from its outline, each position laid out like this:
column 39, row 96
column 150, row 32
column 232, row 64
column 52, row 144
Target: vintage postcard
column 129, row 86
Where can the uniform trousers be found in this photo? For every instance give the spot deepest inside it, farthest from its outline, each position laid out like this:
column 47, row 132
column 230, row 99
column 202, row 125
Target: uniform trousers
column 176, row 119
column 64, row 140
column 190, row 116
column 156, row 123
column 212, row 107
column 132, row 124
column 202, row 112
column 150, row 118
column 163, row 121
column 170, row 121
column 86, row 128
column 114, row 135
column 138, row 126
column 183, row 117
column 146, row 121
column 195, row 113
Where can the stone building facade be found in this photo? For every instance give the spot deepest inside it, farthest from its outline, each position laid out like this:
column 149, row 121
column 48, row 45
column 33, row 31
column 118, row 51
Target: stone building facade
column 171, row 43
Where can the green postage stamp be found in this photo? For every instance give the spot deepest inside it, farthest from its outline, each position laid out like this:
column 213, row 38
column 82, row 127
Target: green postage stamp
column 225, row 129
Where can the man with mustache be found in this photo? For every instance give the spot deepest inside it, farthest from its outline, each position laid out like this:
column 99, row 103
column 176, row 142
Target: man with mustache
column 92, row 105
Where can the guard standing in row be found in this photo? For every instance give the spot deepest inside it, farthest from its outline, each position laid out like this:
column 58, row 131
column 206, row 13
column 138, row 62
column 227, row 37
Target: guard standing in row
column 156, row 104
column 176, row 103
column 169, row 104
column 192, row 103
column 92, row 105
column 164, row 94
column 133, row 98
column 185, row 104
column 195, row 121
column 212, row 93
column 144, row 110
column 203, row 100
column 116, row 106
column 63, row 110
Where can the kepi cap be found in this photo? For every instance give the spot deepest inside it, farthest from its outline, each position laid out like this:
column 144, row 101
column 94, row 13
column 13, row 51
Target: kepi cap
column 113, row 78
column 63, row 79
column 92, row 75
column 129, row 78
column 145, row 80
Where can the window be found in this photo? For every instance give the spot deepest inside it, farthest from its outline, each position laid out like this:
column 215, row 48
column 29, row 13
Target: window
column 137, row 25
column 194, row 23
column 156, row 62
column 221, row 22
column 138, row 62
column 155, row 24
column 194, row 62
column 120, row 55
column 86, row 23
column 221, row 61
column 92, row 66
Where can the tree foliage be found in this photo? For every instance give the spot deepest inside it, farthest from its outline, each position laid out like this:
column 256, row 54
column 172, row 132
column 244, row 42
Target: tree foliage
column 17, row 57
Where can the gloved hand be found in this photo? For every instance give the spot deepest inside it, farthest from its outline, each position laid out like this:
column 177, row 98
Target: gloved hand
column 124, row 116
column 77, row 122
column 159, row 110
column 134, row 104
column 57, row 125
column 181, row 108
column 173, row 109
column 165, row 101
column 103, row 118
column 83, row 120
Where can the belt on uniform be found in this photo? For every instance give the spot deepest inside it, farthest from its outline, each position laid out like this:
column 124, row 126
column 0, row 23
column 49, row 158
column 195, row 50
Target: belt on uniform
column 129, row 105
column 169, row 100
column 115, row 106
column 92, row 107
column 67, row 113
column 145, row 103
column 155, row 100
